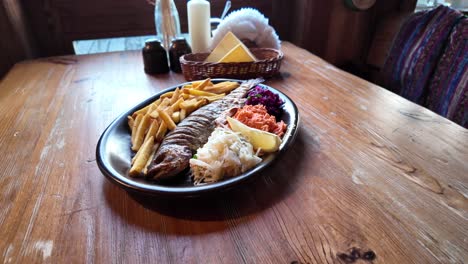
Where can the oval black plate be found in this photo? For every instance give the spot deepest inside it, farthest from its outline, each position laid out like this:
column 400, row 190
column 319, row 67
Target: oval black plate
column 113, row 153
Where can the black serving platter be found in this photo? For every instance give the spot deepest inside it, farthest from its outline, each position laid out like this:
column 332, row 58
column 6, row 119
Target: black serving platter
column 113, row 154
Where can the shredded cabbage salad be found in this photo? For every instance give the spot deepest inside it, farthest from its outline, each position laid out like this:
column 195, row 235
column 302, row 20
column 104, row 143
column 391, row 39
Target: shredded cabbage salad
column 226, row 154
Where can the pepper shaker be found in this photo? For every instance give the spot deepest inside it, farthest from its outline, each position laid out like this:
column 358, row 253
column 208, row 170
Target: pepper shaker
column 155, row 57
column 179, row 47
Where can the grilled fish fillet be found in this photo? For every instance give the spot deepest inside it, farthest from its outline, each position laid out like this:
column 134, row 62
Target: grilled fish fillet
column 179, row 145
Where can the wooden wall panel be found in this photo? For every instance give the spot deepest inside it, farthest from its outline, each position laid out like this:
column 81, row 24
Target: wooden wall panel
column 391, row 15
column 326, row 28
column 331, row 30
column 15, row 41
column 349, row 34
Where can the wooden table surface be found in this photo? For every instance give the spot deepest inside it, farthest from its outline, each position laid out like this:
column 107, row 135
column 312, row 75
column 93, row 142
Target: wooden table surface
column 370, row 174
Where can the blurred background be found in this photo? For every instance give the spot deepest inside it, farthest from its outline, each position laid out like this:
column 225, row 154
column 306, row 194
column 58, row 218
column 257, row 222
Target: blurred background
column 356, row 41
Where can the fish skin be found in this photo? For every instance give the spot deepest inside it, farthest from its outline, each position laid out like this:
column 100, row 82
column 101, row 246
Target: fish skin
column 178, row 147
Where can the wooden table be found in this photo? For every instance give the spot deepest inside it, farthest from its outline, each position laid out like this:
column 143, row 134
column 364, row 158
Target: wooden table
column 369, row 170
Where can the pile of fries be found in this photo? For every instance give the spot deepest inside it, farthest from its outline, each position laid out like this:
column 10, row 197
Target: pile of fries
column 150, row 124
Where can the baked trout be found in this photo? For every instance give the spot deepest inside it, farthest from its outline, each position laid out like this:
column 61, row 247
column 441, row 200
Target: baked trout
column 179, row 145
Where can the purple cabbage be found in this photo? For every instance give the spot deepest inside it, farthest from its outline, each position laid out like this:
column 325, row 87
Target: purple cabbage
column 263, row 96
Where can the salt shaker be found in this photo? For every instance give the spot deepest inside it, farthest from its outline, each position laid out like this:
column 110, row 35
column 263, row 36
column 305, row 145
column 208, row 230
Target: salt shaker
column 155, row 57
column 178, row 48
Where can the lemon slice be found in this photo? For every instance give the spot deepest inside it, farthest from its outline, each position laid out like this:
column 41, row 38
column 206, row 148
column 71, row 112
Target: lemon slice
column 266, row 141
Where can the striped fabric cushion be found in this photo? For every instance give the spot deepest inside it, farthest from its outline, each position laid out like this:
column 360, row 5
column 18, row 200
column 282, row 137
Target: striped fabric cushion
column 448, row 91
column 416, row 51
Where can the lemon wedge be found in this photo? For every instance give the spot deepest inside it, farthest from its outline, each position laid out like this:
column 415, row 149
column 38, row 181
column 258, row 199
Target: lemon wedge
column 266, row 141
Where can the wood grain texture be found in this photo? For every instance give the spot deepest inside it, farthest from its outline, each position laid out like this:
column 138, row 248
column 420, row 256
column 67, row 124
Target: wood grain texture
column 336, row 33
column 382, row 40
column 369, row 170
column 328, row 29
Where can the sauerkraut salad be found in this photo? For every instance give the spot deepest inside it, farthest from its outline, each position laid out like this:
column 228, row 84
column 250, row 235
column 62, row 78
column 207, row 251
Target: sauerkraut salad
column 226, row 154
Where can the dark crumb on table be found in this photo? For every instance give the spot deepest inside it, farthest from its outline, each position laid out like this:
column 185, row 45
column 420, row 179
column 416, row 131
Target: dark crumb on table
column 355, row 253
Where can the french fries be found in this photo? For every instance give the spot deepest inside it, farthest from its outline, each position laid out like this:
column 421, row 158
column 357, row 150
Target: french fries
column 175, row 96
column 155, row 147
column 198, row 92
column 167, row 119
column 152, row 130
column 183, row 114
column 214, row 97
column 224, row 87
column 176, row 117
column 150, row 124
column 203, row 84
column 135, row 126
column 161, row 131
column 131, row 122
column 176, row 106
column 143, row 155
column 141, row 131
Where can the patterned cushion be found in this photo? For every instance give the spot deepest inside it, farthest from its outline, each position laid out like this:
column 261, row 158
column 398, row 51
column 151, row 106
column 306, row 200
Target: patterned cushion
column 416, row 51
column 448, row 91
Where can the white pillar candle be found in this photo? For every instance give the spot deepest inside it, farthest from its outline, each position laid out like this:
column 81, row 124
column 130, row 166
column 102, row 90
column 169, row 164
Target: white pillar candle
column 199, row 25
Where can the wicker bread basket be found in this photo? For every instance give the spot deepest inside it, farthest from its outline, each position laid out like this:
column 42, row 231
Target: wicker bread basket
column 268, row 64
